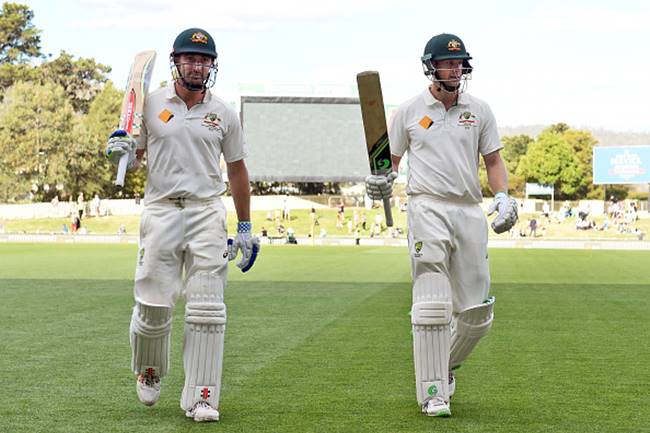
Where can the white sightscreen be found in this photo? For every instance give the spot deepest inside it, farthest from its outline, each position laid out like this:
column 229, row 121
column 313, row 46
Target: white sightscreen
column 304, row 139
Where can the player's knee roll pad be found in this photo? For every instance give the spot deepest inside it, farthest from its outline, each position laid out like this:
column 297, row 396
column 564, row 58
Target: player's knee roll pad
column 150, row 334
column 470, row 326
column 205, row 324
column 431, row 313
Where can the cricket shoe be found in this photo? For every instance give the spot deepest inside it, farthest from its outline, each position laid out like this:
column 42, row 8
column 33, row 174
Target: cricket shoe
column 452, row 383
column 436, row 406
column 148, row 387
column 202, row 411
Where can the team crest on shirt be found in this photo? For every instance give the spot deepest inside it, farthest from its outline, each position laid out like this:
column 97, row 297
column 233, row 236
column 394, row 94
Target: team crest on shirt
column 467, row 119
column 212, row 121
column 418, row 249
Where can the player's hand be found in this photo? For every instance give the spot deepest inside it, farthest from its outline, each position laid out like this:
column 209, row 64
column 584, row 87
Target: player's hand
column 379, row 186
column 119, row 144
column 245, row 242
column 507, row 212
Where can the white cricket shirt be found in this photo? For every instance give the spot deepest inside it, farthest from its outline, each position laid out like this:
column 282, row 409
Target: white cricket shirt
column 184, row 146
column 444, row 146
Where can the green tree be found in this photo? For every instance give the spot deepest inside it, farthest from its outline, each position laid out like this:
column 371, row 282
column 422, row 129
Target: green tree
column 514, row 148
column 20, row 41
column 93, row 173
column 36, row 123
column 550, row 160
column 82, row 79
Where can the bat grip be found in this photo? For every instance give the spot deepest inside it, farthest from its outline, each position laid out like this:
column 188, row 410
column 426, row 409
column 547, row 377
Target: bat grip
column 121, row 171
column 388, row 212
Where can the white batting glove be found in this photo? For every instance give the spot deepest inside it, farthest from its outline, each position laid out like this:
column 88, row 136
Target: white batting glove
column 379, row 186
column 247, row 243
column 507, row 212
column 119, row 144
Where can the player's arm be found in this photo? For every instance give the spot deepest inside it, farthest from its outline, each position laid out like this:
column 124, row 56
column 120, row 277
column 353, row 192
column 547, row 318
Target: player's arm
column 496, row 172
column 498, row 181
column 245, row 242
column 240, row 188
column 395, row 160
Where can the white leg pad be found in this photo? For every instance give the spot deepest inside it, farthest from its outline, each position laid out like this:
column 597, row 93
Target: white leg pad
column 150, row 334
column 205, row 324
column 431, row 317
column 470, row 326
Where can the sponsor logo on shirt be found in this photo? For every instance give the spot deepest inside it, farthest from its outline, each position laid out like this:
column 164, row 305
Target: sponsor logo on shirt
column 166, row 115
column 426, row 122
column 467, row 119
column 212, row 121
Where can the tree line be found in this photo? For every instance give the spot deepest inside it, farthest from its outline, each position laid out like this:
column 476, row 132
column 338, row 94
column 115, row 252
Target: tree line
column 57, row 112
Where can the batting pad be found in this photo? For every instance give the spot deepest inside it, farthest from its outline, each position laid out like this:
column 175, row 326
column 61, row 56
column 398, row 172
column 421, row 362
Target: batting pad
column 150, row 334
column 431, row 317
column 470, row 326
column 205, row 324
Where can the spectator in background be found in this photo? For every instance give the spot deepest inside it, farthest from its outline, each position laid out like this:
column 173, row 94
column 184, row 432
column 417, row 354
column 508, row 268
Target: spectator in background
column 286, row 210
column 546, row 210
column 94, row 206
column 64, row 229
column 532, row 226
column 136, row 196
column 76, row 223
column 80, row 205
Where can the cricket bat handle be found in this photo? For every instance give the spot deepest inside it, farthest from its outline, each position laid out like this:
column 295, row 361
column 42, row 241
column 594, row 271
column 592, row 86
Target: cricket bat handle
column 121, row 170
column 388, row 212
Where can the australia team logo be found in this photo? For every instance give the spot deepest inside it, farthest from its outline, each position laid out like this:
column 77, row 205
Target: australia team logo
column 467, row 119
column 212, row 121
column 454, row 45
column 418, row 249
column 199, row 38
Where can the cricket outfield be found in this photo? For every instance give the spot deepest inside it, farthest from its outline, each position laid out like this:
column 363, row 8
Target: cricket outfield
column 318, row 340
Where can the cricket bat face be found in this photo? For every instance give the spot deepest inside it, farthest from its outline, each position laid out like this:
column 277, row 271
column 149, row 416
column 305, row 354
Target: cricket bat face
column 137, row 86
column 135, row 92
column 374, row 122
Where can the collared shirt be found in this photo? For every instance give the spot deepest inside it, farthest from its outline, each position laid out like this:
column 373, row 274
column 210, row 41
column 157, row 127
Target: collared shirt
column 184, row 146
column 444, row 146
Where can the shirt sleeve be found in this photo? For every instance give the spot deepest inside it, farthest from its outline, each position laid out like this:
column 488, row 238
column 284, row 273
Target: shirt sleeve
column 141, row 139
column 488, row 140
column 233, row 146
column 398, row 134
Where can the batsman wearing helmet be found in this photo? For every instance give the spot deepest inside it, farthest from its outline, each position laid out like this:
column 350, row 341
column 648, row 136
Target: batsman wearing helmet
column 183, row 248
column 445, row 131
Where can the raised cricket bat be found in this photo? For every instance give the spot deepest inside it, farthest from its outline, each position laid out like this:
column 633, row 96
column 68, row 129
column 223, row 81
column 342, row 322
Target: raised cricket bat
column 374, row 125
column 133, row 103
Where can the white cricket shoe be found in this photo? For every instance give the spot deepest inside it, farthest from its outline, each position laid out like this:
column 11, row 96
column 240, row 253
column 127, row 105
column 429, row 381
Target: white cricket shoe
column 436, row 406
column 452, row 383
column 202, row 411
column 148, row 388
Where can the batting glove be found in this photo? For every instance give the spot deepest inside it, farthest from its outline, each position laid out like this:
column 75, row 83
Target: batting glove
column 119, row 144
column 247, row 243
column 507, row 212
column 379, row 186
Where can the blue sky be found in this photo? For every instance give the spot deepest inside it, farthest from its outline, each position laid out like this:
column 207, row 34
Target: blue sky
column 581, row 62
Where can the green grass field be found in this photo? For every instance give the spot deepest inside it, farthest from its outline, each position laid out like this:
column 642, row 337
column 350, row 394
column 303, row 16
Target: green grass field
column 318, row 340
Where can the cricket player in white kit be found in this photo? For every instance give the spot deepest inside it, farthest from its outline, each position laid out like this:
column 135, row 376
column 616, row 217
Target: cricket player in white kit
column 445, row 130
column 183, row 247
